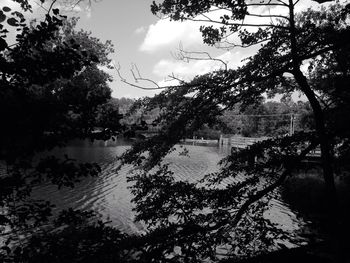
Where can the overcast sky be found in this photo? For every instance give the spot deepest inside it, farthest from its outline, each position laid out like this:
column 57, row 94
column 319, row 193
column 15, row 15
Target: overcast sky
column 142, row 39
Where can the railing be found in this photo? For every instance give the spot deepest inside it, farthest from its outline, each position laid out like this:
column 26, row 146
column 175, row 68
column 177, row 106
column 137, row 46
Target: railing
column 200, row 142
column 240, row 141
column 244, row 142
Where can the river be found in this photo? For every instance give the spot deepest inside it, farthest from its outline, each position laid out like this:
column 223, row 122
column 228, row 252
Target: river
column 108, row 194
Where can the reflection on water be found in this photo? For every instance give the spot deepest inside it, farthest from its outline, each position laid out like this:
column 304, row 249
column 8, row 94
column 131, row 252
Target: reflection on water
column 109, row 195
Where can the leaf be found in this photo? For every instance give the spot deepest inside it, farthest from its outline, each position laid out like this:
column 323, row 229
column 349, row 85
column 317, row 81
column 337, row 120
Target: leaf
column 12, row 21
column 4, row 220
column 3, row 44
column 55, row 11
column 2, row 16
column 18, row 14
column 7, row 249
column 6, row 9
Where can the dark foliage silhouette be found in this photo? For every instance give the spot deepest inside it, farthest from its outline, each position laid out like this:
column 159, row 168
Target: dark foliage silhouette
column 51, row 91
column 190, row 222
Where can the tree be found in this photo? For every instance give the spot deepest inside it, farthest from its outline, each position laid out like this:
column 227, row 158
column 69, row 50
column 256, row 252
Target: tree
column 52, row 91
column 189, row 221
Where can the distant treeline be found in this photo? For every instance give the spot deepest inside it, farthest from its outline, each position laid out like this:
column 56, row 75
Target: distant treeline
column 137, row 117
column 124, row 104
column 269, row 118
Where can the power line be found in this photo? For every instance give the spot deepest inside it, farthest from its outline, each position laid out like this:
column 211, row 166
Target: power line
column 262, row 115
column 292, row 117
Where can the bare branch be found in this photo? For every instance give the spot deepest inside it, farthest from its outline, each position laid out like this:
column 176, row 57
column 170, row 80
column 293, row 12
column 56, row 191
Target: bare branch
column 280, row 71
column 268, row 16
column 229, row 45
column 296, row 2
column 237, row 24
column 137, row 77
column 42, row 6
column 77, row 3
column 187, row 56
column 51, row 6
column 173, row 77
column 283, row 3
column 269, row 4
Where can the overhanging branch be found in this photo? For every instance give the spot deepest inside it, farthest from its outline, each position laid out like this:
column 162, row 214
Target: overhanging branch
column 273, row 186
column 187, row 56
column 137, row 77
column 209, row 20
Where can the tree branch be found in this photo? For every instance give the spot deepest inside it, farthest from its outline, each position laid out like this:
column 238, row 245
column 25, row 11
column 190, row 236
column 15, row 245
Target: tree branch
column 260, row 194
column 269, row 4
column 231, row 45
column 137, row 77
column 51, row 6
column 273, row 186
column 283, row 3
column 209, row 20
column 267, row 16
column 187, row 56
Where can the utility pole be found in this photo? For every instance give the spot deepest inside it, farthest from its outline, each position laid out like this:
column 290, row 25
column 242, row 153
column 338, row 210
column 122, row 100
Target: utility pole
column 291, row 128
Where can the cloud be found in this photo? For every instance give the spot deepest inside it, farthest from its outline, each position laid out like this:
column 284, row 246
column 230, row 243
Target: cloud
column 88, row 13
column 140, row 30
column 296, row 96
column 166, row 33
column 74, row 10
column 168, row 82
column 11, row 4
column 127, row 95
column 106, row 69
column 39, row 10
column 187, row 70
column 17, row 7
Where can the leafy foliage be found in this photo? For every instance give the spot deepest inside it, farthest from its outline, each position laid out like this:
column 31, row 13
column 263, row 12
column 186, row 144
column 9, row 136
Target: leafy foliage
column 52, row 91
column 77, row 237
column 191, row 222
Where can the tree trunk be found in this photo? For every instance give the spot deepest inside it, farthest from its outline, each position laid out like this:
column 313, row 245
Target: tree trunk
column 325, row 145
column 334, row 219
column 326, row 150
column 326, row 156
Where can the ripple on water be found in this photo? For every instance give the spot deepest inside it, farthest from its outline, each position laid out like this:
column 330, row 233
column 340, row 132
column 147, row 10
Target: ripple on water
column 110, row 196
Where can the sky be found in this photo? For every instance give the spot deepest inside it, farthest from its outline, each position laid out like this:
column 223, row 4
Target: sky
column 148, row 44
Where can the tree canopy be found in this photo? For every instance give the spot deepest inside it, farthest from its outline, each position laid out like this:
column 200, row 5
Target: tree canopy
column 193, row 220
column 52, row 91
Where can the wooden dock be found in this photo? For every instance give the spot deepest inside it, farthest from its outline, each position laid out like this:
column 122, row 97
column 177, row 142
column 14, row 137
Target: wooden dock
column 200, row 142
column 239, row 142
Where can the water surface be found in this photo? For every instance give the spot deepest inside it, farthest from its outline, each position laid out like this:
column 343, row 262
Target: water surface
column 109, row 195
